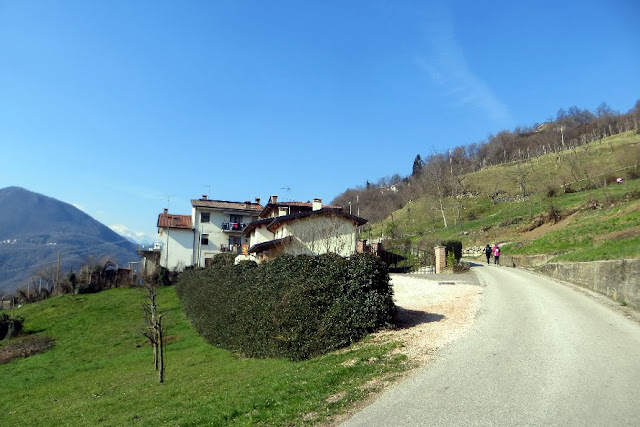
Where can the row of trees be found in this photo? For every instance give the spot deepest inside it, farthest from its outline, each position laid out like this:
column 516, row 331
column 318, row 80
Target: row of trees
column 443, row 175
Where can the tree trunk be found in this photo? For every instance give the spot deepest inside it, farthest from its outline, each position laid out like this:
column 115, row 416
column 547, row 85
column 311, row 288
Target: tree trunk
column 160, row 346
column 444, row 218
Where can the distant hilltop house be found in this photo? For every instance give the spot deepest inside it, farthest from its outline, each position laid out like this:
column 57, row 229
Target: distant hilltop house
column 250, row 230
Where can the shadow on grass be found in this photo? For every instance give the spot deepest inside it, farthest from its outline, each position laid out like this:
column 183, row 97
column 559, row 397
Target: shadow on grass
column 405, row 318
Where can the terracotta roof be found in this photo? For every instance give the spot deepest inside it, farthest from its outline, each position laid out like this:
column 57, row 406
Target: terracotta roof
column 273, row 223
column 261, row 247
column 223, row 204
column 278, row 221
column 302, row 206
column 167, row 220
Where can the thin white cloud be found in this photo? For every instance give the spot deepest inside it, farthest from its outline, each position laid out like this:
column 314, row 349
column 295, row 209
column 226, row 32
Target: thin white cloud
column 447, row 67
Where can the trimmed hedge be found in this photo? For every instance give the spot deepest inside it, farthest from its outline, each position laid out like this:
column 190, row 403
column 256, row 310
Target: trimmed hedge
column 295, row 307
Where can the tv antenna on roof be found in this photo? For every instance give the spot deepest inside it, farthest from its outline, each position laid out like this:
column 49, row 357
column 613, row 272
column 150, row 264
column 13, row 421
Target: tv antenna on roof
column 208, row 187
column 168, row 197
column 288, row 190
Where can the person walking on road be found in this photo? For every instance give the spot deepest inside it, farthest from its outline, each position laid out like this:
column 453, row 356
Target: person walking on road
column 496, row 254
column 487, row 252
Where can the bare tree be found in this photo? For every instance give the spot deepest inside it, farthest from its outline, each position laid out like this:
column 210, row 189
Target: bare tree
column 521, row 175
column 437, row 181
column 153, row 327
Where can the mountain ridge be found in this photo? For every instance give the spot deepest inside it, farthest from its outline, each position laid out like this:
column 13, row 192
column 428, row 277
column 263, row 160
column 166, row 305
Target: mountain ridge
column 35, row 229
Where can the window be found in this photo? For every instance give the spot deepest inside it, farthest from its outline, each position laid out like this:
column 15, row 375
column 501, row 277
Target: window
column 204, row 239
column 205, row 217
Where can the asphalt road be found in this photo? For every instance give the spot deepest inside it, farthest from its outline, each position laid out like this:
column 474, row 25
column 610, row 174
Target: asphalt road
column 540, row 353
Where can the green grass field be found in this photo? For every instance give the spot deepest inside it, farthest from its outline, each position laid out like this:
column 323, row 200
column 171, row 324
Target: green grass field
column 100, row 372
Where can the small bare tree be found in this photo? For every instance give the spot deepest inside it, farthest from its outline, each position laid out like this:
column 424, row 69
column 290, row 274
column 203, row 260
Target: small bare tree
column 153, row 327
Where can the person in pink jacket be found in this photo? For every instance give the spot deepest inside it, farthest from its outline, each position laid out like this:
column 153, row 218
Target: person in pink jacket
column 496, row 254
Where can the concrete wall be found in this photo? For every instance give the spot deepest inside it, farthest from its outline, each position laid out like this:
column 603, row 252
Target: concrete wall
column 618, row 279
column 522, row 260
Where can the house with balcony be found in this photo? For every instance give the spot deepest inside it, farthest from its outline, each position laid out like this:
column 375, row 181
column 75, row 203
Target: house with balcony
column 301, row 228
column 219, row 227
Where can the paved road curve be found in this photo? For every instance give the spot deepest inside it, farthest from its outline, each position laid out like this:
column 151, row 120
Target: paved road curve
column 540, row 353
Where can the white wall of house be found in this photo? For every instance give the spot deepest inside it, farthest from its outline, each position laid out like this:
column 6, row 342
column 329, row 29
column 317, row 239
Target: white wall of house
column 176, row 252
column 217, row 239
column 261, row 235
column 320, row 234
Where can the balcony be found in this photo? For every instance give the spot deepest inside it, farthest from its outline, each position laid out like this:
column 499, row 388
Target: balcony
column 233, row 226
column 150, row 247
column 234, row 249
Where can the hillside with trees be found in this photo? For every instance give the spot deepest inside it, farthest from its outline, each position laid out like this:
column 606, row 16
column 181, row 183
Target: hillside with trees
column 535, row 188
column 443, row 175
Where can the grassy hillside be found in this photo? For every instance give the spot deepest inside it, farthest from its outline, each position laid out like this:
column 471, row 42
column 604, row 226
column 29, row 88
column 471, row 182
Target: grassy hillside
column 562, row 204
column 99, row 372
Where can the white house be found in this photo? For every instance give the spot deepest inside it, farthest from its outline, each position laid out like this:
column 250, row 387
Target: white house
column 301, row 228
column 251, row 231
column 219, row 227
column 176, row 241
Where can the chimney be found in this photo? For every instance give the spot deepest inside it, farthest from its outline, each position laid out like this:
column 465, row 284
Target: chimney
column 204, row 197
column 166, row 211
column 258, row 200
column 317, row 204
column 274, row 199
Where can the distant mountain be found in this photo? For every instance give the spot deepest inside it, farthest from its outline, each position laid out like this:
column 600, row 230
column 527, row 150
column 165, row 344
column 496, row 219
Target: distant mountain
column 136, row 237
column 35, row 228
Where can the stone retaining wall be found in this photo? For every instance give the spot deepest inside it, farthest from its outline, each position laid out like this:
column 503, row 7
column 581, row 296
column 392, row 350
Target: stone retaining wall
column 618, row 279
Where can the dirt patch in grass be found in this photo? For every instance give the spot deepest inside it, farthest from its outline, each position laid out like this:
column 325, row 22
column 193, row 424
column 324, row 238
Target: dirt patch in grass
column 24, row 347
column 627, row 233
column 547, row 227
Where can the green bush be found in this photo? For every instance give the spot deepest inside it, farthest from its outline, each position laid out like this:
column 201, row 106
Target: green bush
column 451, row 259
column 10, row 327
column 454, row 247
column 294, row 306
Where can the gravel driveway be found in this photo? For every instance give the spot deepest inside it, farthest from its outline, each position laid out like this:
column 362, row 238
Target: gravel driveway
column 432, row 311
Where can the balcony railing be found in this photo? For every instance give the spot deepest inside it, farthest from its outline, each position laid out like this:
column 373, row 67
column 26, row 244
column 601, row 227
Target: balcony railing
column 148, row 247
column 234, row 249
column 233, row 226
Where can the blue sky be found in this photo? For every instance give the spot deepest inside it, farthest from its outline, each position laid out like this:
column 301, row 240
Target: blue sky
column 112, row 105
